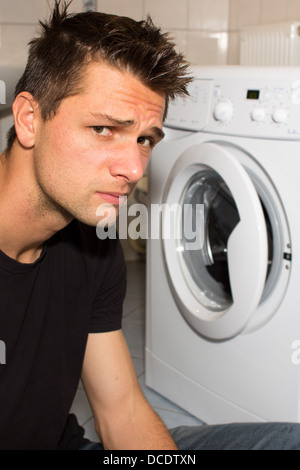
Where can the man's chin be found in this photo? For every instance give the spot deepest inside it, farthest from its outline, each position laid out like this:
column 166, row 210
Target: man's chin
column 104, row 216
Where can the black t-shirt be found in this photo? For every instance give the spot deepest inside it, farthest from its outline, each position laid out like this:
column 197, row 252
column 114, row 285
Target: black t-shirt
column 47, row 310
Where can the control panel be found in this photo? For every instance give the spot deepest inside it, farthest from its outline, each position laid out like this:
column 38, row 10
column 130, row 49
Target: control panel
column 249, row 106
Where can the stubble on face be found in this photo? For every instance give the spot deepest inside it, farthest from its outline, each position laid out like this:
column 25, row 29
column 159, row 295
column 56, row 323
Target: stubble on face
column 75, row 169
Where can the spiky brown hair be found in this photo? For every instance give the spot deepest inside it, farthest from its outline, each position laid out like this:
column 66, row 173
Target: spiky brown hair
column 69, row 42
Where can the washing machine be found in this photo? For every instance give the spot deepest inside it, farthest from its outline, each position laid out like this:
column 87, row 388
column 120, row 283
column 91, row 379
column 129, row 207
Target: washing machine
column 223, row 249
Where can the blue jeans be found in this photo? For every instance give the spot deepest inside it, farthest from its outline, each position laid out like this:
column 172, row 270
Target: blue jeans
column 236, row 436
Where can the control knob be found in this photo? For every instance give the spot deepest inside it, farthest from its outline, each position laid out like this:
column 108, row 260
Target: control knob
column 295, row 96
column 223, row 111
column 279, row 116
column 258, row 114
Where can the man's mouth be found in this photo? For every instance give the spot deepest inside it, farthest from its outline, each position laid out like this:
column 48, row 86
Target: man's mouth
column 117, row 199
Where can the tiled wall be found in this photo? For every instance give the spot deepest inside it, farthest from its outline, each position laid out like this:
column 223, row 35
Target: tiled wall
column 199, row 28
column 207, row 31
column 244, row 13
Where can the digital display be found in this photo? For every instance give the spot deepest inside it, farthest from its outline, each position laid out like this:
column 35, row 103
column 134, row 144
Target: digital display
column 252, row 94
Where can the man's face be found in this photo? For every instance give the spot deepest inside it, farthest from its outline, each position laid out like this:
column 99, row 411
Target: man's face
column 97, row 146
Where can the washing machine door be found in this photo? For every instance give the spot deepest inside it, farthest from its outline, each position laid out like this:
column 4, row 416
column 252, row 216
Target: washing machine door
column 217, row 256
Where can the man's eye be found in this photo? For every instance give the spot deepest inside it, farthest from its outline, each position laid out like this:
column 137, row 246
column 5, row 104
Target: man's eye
column 101, row 130
column 145, row 141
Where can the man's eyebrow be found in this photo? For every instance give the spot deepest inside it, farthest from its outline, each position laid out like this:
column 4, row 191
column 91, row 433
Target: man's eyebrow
column 113, row 121
column 159, row 134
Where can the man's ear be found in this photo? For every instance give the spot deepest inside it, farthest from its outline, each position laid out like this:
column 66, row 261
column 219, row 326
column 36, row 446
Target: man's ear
column 25, row 110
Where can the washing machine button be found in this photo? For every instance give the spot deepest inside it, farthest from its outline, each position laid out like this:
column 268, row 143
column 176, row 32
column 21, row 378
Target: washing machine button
column 258, row 114
column 223, row 111
column 295, row 96
column 279, row 116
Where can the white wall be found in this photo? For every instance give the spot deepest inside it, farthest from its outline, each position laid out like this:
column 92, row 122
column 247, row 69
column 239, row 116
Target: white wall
column 199, row 27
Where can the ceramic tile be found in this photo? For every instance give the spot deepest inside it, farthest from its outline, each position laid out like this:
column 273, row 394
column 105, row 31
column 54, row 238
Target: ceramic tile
column 244, row 13
column 18, row 11
column 207, row 48
column 293, row 10
column 76, row 6
column 233, row 56
column 131, row 303
column 14, row 41
column 139, row 365
column 208, row 15
column 131, row 8
column 273, row 11
column 169, row 14
column 174, row 419
column 179, row 38
column 171, row 414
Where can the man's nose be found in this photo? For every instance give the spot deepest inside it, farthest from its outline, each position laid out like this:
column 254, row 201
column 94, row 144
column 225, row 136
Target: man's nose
column 128, row 163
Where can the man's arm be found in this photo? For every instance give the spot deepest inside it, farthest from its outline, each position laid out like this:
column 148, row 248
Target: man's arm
column 123, row 418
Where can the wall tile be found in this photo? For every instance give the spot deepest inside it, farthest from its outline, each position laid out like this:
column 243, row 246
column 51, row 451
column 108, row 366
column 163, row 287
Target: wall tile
column 14, row 43
column 208, row 15
column 193, row 24
column 179, row 38
column 233, row 56
column 244, row 13
column 273, row 11
column 293, row 10
column 76, row 6
column 20, row 11
column 132, row 8
column 207, row 48
column 169, row 14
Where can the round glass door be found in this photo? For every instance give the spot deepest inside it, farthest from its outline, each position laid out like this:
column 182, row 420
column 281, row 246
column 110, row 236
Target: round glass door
column 217, row 285
column 206, row 269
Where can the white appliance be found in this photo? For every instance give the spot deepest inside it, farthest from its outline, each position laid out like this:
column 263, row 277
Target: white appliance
column 223, row 309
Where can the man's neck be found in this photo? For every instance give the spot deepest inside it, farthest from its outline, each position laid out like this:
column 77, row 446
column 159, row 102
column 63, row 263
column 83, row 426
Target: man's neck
column 24, row 228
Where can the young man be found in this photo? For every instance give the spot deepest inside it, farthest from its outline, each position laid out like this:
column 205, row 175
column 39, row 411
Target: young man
column 87, row 112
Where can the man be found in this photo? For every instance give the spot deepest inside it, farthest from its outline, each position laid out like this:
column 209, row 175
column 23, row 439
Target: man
column 87, row 112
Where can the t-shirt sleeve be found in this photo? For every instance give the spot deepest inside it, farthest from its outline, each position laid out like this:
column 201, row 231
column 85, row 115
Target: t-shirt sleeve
column 109, row 294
